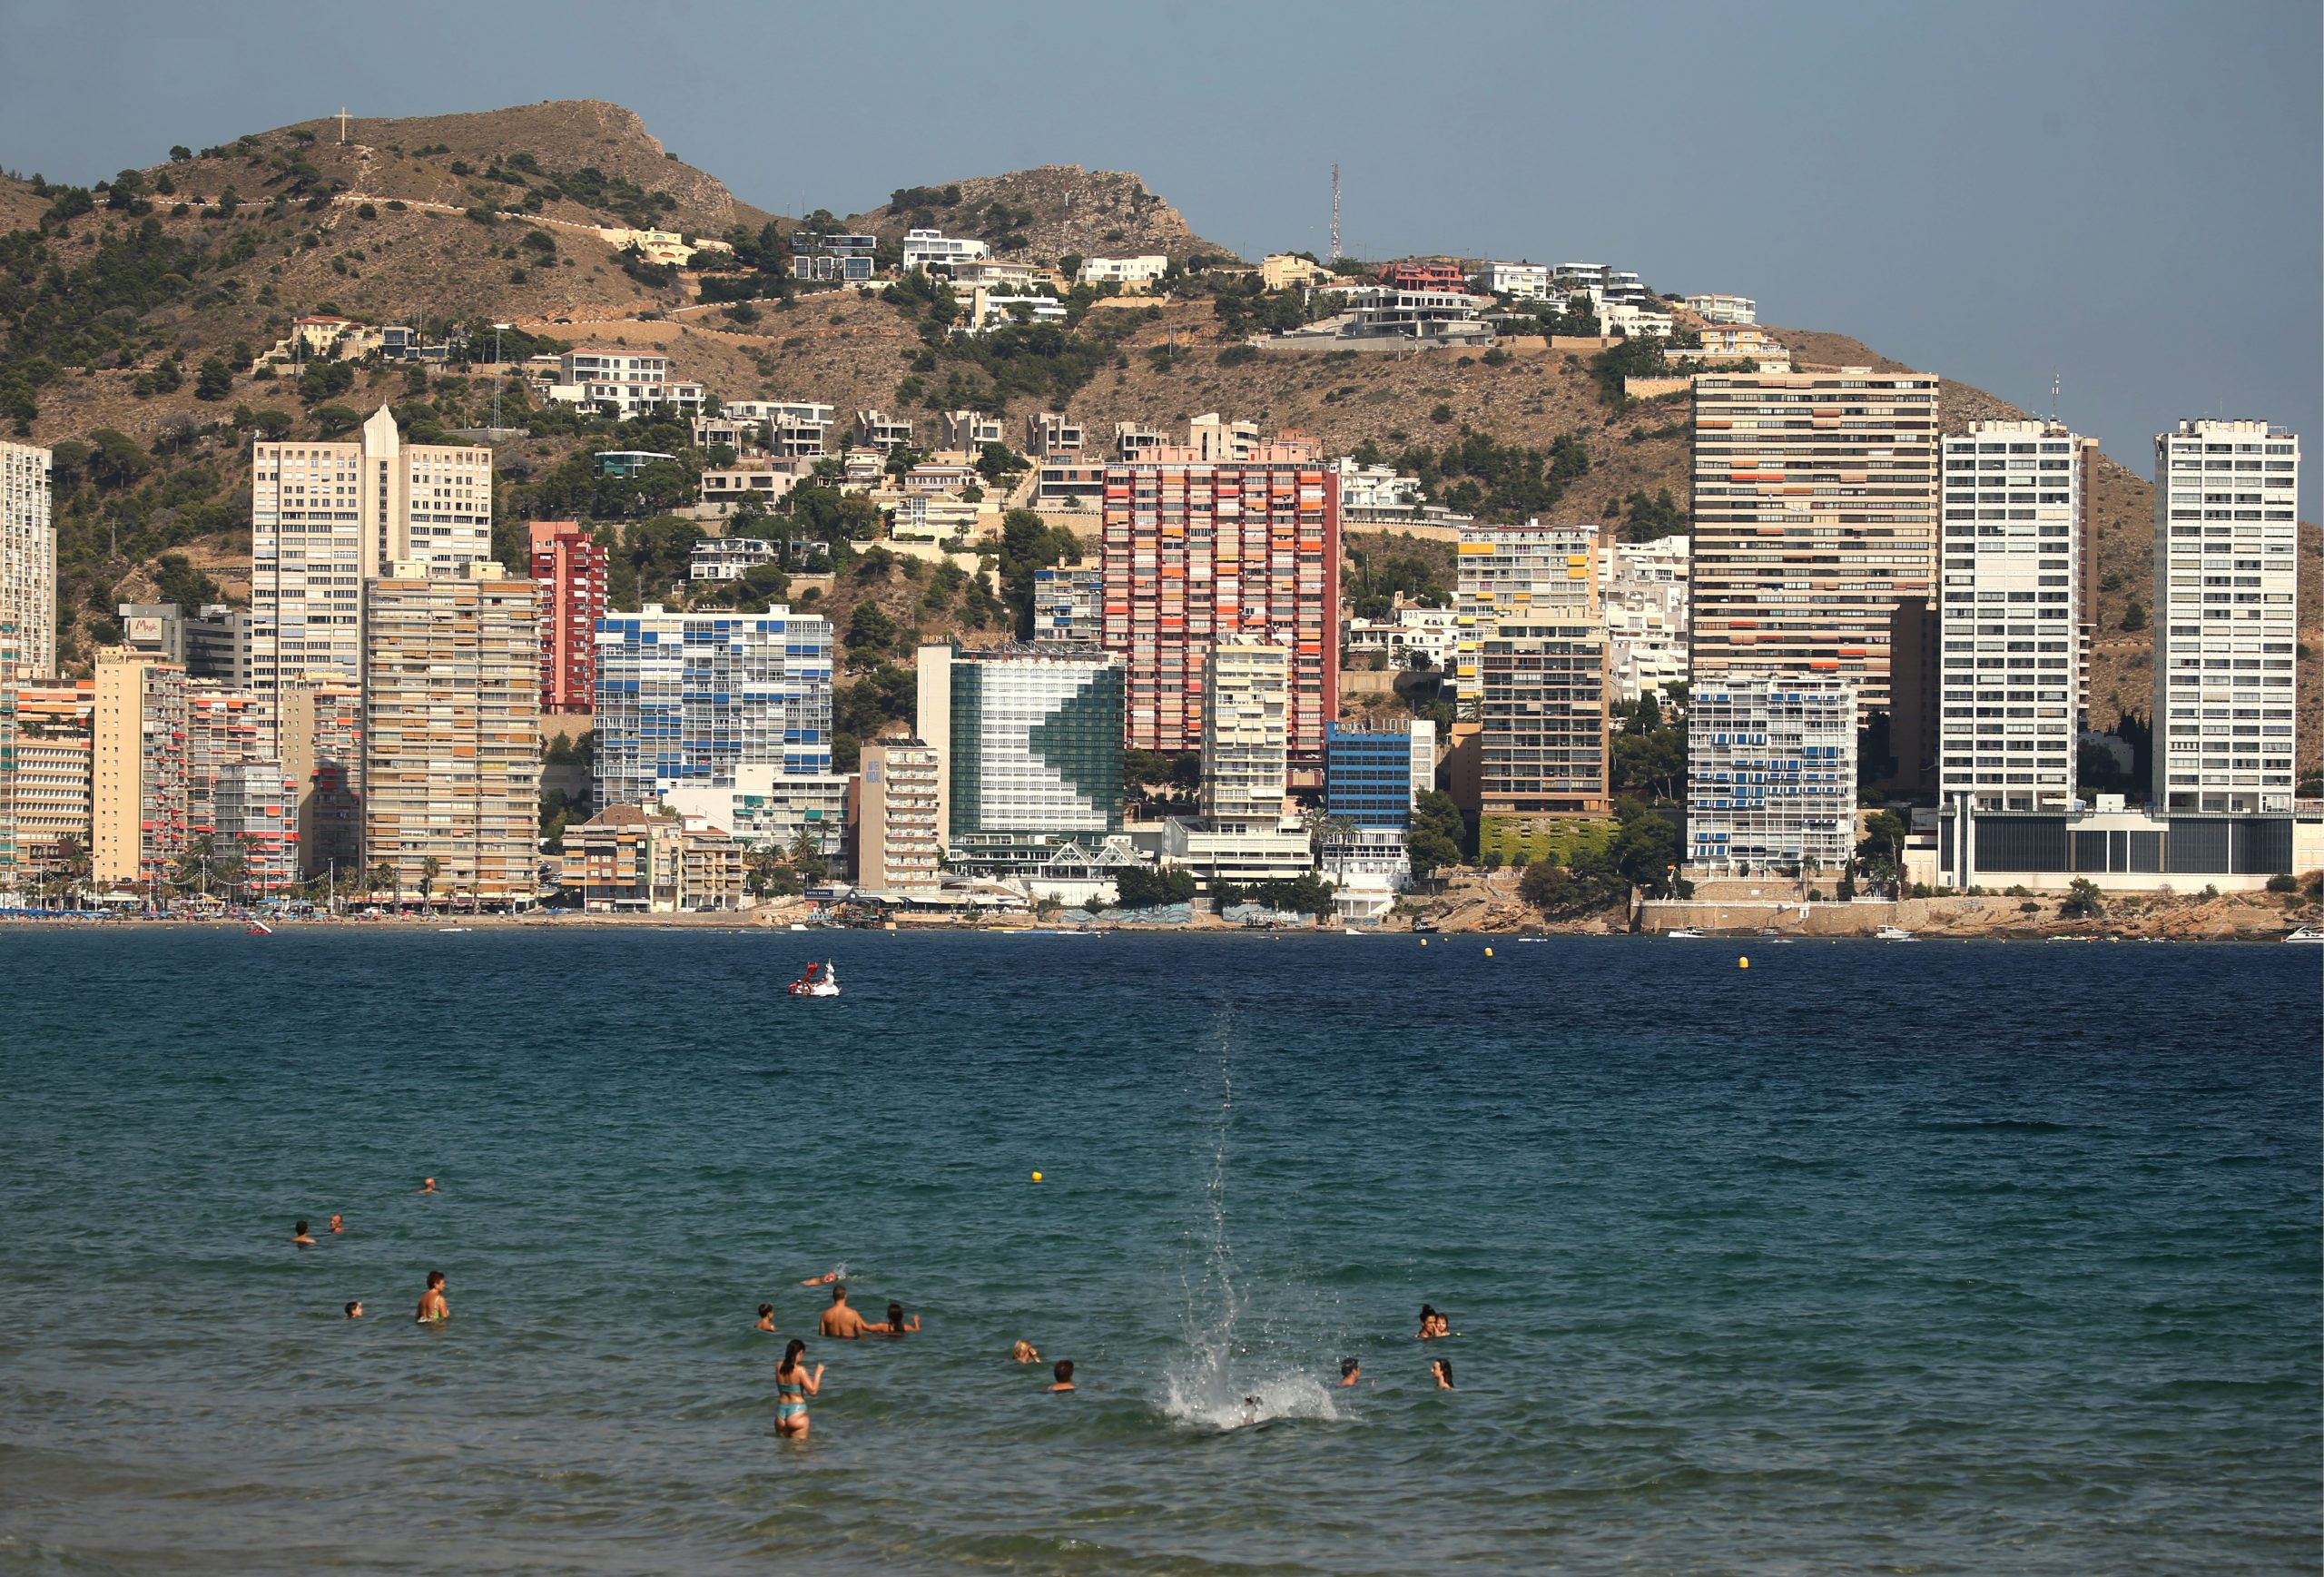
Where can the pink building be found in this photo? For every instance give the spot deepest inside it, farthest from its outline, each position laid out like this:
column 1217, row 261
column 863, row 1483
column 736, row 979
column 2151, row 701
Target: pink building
column 570, row 566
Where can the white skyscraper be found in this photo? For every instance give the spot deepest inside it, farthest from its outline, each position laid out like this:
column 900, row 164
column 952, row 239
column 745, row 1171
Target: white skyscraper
column 28, row 557
column 2226, row 525
column 326, row 517
column 2012, row 571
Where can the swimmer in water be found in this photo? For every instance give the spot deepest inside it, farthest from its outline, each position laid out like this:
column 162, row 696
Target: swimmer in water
column 1064, row 1373
column 792, row 1386
column 826, row 1279
column 1351, row 1372
column 299, row 1236
column 336, row 1224
column 433, row 1308
column 1024, row 1352
column 1432, row 1325
column 1250, row 1411
column 1443, row 1369
column 839, row 1322
column 355, row 1309
column 427, row 1185
column 894, row 1325
column 766, row 1317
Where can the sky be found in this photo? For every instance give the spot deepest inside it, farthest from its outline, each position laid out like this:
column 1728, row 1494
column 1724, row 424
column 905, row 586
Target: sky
column 2127, row 197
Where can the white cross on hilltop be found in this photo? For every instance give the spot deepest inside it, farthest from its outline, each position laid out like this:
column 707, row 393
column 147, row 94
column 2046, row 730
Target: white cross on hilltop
column 342, row 126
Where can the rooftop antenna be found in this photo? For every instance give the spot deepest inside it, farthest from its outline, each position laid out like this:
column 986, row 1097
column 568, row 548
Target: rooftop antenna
column 342, row 126
column 2054, row 399
column 1336, row 214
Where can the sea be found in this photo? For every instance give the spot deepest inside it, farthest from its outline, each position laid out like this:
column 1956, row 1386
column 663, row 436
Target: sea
column 1916, row 1258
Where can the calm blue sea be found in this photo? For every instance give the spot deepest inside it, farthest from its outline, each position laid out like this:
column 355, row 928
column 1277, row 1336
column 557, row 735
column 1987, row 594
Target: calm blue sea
column 1927, row 1258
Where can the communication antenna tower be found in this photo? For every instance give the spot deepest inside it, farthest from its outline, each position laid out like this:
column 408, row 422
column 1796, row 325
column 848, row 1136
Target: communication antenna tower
column 1336, row 214
column 2054, row 399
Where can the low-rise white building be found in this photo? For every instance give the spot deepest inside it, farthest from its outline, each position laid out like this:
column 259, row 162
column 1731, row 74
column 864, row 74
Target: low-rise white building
column 730, row 558
column 925, row 249
column 988, row 311
column 1645, row 589
column 1518, row 281
column 1123, row 271
column 1367, row 868
column 1718, row 308
column 878, row 430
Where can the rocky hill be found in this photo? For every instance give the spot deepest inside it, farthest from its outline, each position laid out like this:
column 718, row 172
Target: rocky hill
column 1044, row 213
column 112, row 302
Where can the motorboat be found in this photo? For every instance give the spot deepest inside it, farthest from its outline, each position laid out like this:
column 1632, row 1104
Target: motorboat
column 2314, row 933
column 1893, row 933
column 1686, row 933
column 817, row 980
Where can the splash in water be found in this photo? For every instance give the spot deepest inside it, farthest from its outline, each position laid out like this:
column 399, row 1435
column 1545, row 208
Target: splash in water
column 1223, row 1379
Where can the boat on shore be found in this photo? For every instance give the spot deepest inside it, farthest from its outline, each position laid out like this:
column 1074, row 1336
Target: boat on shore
column 1686, row 933
column 2308, row 933
column 1893, row 933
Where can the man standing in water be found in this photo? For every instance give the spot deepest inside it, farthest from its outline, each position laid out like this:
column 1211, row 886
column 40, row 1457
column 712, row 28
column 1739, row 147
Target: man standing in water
column 840, row 1322
column 433, row 1308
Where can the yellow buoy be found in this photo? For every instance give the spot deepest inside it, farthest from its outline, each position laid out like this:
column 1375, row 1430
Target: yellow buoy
column 1037, row 1177
column 1742, row 963
column 1423, row 942
column 1488, row 952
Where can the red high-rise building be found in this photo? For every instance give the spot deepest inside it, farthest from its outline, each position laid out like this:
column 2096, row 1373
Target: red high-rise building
column 570, row 566
column 1201, row 552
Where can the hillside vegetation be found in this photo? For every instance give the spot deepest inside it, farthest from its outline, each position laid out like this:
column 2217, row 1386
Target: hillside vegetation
column 131, row 314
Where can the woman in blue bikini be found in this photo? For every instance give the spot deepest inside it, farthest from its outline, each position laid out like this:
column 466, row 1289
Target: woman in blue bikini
column 792, row 1386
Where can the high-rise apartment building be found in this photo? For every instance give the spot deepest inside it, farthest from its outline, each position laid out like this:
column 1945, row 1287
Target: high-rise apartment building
column 1201, row 554
column 1373, row 775
column 685, row 698
column 51, row 794
column 1526, row 575
column 325, row 518
column 1031, row 738
column 2011, row 626
column 28, row 557
column 255, row 816
column 321, row 731
column 223, row 729
column 1772, row 773
column 11, row 852
column 899, row 837
column 570, row 566
column 451, row 737
column 1644, row 588
column 1246, row 735
column 137, row 772
column 1532, row 654
column 1814, row 509
column 2226, row 622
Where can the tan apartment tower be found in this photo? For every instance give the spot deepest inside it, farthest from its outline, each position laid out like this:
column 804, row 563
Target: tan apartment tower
column 325, row 518
column 1531, row 651
column 1246, row 735
column 899, row 837
column 1815, row 510
column 451, row 736
column 137, row 769
column 28, row 557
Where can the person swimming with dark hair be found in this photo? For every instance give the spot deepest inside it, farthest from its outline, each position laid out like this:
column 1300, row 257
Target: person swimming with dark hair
column 1064, row 1372
column 1443, row 1369
column 355, row 1309
column 895, row 1324
column 299, row 1236
column 1351, row 1371
column 766, row 1317
column 433, row 1308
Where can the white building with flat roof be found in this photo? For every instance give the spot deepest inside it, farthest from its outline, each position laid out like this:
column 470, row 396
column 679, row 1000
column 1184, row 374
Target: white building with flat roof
column 1123, row 271
column 1644, row 589
column 2008, row 620
column 1519, row 281
column 1770, row 774
column 1714, row 308
column 2226, row 623
column 924, row 249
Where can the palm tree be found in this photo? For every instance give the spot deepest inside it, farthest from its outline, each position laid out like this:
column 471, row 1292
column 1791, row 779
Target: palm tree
column 430, row 869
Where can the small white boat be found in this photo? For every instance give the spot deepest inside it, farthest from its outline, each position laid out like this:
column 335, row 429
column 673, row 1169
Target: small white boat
column 257, row 928
column 817, row 980
column 2314, row 933
column 1686, row 933
column 1893, row 933
column 453, row 929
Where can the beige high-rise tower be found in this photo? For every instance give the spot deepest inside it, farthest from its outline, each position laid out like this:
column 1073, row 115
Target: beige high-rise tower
column 451, row 738
column 325, row 518
column 137, row 773
column 1815, row 510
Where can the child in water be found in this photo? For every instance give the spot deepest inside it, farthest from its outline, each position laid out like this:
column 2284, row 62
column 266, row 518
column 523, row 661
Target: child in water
column 1064, row 1372
column 766, row 1317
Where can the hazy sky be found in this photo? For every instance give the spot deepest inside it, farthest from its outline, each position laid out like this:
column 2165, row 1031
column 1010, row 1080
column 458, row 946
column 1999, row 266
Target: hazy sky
column 2129, row 196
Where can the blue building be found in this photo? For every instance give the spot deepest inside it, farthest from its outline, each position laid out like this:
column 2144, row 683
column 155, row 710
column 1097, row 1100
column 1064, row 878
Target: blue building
column 1371, row 777
column 685, row 698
